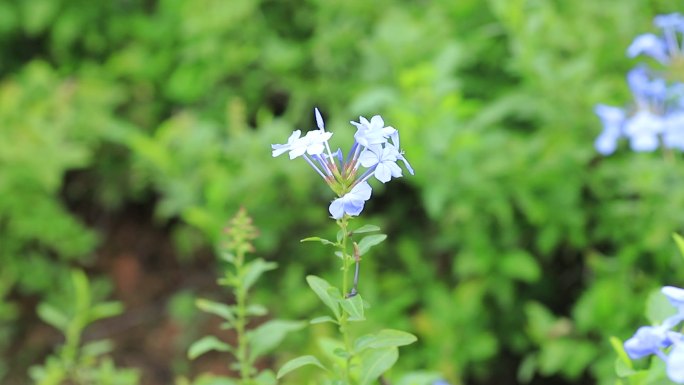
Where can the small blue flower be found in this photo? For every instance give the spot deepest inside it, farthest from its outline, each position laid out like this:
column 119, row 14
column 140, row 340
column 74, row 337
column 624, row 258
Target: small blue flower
column 612, row 118
column 675, row 362
column 651, row 45
column 383, row 160
column 673, row 132
column 440, row 382
column 313, row 143
column 646, row 341
column 675, row 295
column 352, row 202
column 643, row 130
column 372, row 150
column 372, row 132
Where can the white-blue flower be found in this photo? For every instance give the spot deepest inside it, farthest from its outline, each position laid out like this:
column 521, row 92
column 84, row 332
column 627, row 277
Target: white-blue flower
column 352, row 202
column 372, row 132
column 313, row 143
column 384, row 159
column 651, row 45
column 612, row 119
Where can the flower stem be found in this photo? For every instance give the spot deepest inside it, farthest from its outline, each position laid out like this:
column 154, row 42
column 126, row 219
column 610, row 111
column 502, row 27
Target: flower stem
column 344, row 324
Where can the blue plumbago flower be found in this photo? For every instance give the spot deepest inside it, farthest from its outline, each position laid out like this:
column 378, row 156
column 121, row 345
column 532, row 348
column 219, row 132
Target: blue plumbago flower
column 646, row 341
column 612, row 118
column 376, row 149
column 352, row 202
column 662, row 340
column 657, row 115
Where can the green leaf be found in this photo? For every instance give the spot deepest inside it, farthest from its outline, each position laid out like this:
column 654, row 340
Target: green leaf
column 385, row 338
column 366, row 229
column 97, row 348
column 224, row 311
column 369, row 241
column 82, row 291
column 680, row 243
column 256, row 310
column 53, row 316
column 320, row 287
column 354, row 307
column 658, row 308
column 318, row 239
column 105, row 310
column 207, row 344
column 322, row 319
column 375, row 362
column 265, row 378
column 297, row 363
column 520, row 265
column 253, row 271
column 269, row 335
column 622, row 354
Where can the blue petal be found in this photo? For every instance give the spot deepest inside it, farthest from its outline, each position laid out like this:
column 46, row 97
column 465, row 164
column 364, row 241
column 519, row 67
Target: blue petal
column 675, row 363
column 336, row 208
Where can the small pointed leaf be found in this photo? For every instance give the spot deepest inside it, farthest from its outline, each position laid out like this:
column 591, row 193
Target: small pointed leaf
column 253, row 271
column 366, row 229
column 207, row 344
column 369, row 241
column 268, row 336
column 105, row 310
column 318, row 239
column 385, row 338
column 322, row 319
column 375, row 362
column 53, row 316
column 297, row 363
column 354, row 307
column 680, row 243
column 320, row 287
column 224, row 311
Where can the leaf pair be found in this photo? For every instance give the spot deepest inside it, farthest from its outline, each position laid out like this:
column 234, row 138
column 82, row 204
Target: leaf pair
column 332, row 298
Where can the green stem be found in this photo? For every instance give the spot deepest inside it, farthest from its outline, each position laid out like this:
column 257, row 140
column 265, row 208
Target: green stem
column 344, row 324
column 241, row 322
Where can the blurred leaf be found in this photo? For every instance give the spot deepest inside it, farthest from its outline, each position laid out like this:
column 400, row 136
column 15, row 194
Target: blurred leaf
column 369, row 241
column 297, row 363
column 366, row 229
column 207, row 344
column 354, row 307
column 321, row 288
column 318, row 239
column 385, row 338
column 53, row 316
column 256, row 310
column 520, row 265
column 375, row 362
column 268, row 336
column 254, row 269
column 105, row 310
column 658, row 308
column 322, row 319
column 680, row 243
column 224, row 311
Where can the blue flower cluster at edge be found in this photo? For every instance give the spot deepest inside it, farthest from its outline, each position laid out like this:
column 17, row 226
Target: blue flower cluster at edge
column 657, row 115
column 375, row 153
column 662, row 340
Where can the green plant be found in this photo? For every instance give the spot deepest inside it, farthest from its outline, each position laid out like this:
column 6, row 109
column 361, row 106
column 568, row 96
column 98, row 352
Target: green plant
column 76, row 362
column 254, row 342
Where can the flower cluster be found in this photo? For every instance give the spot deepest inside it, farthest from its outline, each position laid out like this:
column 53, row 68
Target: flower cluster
column 657, row 339
column 657, row 115
column 376, row 149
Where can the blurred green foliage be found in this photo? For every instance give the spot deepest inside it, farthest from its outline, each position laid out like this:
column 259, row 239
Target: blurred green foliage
column 514, row 245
